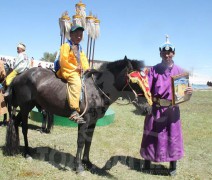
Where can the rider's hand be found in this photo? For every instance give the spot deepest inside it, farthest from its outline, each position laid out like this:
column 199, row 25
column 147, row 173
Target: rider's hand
column 79, row 68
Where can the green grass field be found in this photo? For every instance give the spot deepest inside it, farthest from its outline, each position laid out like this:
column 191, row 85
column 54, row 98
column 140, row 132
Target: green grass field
column 115, row 148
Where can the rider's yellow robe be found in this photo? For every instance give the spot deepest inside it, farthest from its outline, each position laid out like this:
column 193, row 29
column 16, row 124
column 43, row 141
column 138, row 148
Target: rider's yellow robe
column 68, row 71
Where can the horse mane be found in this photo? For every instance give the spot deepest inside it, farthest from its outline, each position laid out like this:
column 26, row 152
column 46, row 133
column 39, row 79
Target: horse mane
column 119, row 65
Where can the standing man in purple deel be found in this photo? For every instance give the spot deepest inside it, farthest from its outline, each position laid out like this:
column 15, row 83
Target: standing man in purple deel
column 162, row 136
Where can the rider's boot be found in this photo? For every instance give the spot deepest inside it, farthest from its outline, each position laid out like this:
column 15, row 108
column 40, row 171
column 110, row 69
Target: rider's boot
column 77, row 118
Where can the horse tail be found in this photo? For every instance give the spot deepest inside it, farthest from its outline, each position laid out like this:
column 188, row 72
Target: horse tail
column 12, row 138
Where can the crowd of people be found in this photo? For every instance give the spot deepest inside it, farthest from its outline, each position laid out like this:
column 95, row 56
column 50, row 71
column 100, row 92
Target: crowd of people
column 8, row 61
column 45, row 65
column 33, row 63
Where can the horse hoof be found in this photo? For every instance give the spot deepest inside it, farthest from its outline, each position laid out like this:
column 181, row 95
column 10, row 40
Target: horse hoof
column 28, row 157
column 79, row 169
column 87, row 164
column 47, row 131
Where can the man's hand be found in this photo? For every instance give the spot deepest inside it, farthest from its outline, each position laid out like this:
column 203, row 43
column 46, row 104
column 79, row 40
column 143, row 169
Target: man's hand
column 189, row 90
column 188, row 93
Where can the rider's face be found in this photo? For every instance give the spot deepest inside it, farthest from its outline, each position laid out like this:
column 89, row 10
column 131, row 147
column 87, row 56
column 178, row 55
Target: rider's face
column 19, row 50
column 76, row 36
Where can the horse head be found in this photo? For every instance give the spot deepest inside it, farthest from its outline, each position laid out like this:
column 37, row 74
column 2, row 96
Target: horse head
column 131, row 79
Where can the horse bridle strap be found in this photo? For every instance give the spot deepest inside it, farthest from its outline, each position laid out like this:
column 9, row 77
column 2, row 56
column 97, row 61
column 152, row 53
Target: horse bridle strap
column 142, row 80
column 127, row 84
column 105, row 93
column 100, row 89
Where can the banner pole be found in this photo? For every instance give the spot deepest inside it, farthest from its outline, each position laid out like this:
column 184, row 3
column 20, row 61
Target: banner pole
column 93, row 54
column 90, row 50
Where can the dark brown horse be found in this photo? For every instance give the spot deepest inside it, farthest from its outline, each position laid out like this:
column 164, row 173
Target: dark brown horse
column 40, row 87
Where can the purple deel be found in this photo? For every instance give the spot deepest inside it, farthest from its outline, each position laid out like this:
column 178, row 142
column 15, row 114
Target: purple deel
column 162, row 136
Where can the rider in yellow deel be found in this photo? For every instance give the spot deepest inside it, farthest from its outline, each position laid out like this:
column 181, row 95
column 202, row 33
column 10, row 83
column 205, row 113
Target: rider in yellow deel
column 21, row 64
column 73, row 62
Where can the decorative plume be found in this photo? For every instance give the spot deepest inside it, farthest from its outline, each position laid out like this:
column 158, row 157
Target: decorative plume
column 65, row 25
column 80, row 11
column 97, row 27
column 77, row 20
column 90, row 25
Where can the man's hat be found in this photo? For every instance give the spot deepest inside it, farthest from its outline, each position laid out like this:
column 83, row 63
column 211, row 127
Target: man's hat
column 22, row 46
column 75, row 27
column 167, row 46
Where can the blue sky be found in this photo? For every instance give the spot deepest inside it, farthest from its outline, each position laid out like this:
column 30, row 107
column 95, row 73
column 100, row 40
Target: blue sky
column 134, row 28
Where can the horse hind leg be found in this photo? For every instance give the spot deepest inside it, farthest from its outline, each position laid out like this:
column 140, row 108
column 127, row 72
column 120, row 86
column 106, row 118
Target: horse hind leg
column 44, row 120
column 24, row 116
column 12, row 145
column 47, row 122
column 50, row 122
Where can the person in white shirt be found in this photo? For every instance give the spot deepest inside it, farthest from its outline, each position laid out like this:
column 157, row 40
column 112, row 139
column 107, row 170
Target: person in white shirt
column 21, row 64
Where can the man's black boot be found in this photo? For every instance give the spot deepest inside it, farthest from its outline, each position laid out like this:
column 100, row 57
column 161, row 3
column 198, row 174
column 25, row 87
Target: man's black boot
column 172, row 168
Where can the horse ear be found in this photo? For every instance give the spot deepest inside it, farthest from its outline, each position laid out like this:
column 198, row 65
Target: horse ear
column 129, row 66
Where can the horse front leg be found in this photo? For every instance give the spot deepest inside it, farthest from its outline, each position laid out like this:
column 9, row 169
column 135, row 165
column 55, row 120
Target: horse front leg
column 88, row 140
column 80, row 144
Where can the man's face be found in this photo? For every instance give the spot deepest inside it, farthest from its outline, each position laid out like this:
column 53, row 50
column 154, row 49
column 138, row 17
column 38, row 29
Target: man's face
column 76, row 36
column 19, row 50
column 167, row 56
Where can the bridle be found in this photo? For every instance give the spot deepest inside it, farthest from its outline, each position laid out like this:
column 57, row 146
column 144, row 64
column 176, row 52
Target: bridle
column 128, row 80
column 128, row 84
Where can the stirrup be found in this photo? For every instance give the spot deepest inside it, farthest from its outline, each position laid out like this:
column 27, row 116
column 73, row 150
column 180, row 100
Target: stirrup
column 76, row 118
